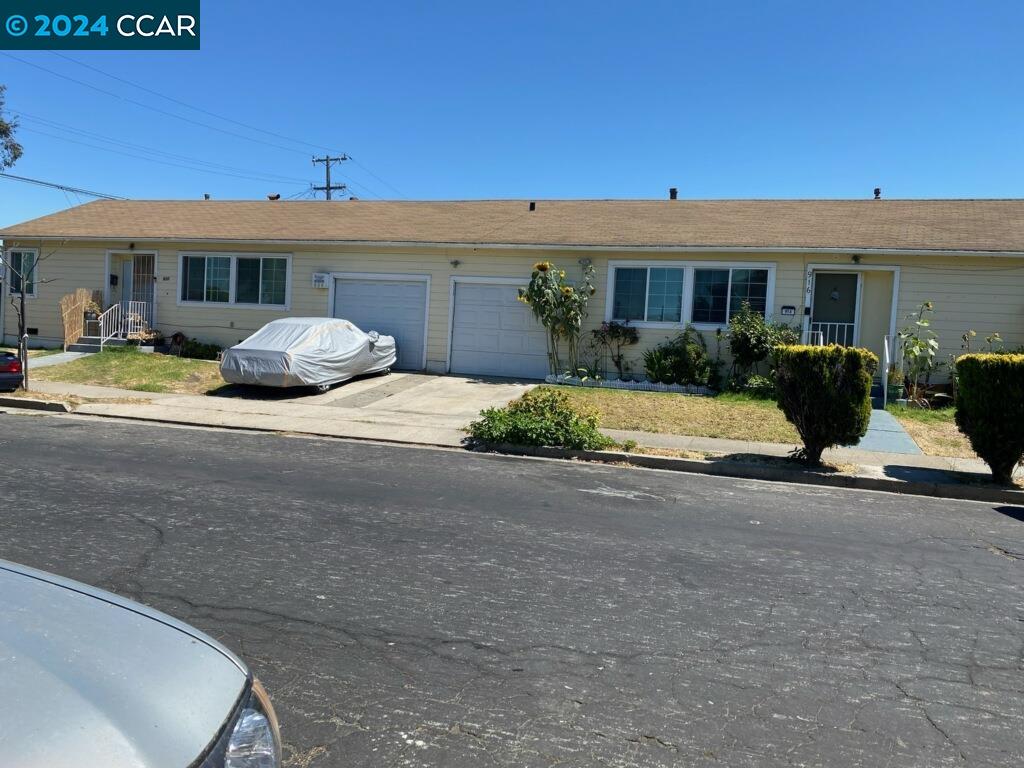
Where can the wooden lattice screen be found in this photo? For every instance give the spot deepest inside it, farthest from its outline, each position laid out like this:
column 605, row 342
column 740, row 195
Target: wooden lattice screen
column 72, row 313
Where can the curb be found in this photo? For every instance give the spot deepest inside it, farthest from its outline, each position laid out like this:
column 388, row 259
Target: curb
column 34, row 405
column 961, row 492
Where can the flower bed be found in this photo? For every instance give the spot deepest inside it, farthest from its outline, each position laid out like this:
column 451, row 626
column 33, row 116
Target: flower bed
column 636, row 386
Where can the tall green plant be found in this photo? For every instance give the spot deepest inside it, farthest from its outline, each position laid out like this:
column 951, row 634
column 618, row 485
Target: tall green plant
column 920, row 348
column 752, row 339
column 560, row 307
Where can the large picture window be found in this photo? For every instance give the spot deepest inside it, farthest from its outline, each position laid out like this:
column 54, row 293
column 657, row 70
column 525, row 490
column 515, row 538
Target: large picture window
column 702, row 293
column 21, row 271
column 234, row 279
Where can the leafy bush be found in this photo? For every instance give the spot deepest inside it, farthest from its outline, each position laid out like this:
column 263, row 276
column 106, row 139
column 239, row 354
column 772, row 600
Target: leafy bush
column 990, row 409
column 759, row 386
column 540, row 417
column 825, row 393
column 613, row 337
column 680, row 360
column 199, row 350
column 752, row 338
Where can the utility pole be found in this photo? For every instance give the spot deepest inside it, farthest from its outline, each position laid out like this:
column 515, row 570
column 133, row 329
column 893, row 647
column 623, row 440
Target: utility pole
column 328, row 161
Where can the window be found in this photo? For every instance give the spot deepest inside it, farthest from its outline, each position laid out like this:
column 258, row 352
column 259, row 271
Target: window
column 653, row 294
column 672, row 293
column 231, row 279
column 719, row 293
column 21, row 267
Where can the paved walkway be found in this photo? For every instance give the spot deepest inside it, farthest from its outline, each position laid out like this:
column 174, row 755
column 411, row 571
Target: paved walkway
column 58, row 359
column 887, row 435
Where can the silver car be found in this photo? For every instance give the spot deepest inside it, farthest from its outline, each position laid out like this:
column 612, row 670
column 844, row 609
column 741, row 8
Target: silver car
column 90, row 679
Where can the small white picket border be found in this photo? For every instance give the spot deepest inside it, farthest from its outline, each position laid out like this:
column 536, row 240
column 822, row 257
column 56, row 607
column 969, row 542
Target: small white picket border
column 636, row 386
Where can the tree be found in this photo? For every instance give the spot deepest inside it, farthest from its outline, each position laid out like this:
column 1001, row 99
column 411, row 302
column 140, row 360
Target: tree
column 10, row 150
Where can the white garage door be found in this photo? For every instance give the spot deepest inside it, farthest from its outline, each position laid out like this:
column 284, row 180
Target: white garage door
column 393, row 307
column 494, row 334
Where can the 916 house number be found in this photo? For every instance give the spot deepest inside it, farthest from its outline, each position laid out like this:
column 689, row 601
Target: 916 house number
column 128, row 25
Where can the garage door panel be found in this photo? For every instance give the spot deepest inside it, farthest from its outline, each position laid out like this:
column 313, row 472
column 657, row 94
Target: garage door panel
column 494, row 334
column 392, row 307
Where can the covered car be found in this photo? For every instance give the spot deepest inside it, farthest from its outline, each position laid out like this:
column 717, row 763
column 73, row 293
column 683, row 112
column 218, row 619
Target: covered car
column 307, row 352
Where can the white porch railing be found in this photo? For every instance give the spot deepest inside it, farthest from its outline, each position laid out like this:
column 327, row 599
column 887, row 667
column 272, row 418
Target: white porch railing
column 815, row 338
column 124, row 320
column 135, row 315
column 835, row 333
column 110, row 324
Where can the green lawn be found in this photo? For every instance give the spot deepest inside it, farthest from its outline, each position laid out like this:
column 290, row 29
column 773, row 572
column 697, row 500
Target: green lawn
column 729, row 415
column 934, row 431
column 127, row 368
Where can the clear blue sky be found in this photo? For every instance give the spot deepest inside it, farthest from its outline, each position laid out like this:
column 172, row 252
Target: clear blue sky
column 550, row 100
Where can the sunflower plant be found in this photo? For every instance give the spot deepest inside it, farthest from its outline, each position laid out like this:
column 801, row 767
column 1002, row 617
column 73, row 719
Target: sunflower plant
column 560, row 306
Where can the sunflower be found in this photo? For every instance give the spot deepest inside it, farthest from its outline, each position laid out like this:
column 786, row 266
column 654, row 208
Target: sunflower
column 542, row 266
column 567, row 290
column 561, row 274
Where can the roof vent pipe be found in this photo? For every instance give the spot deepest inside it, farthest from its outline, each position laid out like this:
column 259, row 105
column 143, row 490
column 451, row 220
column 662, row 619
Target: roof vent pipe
column 533, row 206
column 274, row 197
column 673, row 193
column 878, row 193
column 206, row 195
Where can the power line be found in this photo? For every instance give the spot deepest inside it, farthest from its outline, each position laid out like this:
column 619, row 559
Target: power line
column 62, row 187
column 53, row 124
column 230, row 120
column 263, row 179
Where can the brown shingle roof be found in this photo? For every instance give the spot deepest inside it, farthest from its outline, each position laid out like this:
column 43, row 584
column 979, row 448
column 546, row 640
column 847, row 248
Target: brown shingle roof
column 942, row 225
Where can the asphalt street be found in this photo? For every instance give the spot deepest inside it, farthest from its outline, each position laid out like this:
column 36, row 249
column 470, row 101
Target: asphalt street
column 413, row 607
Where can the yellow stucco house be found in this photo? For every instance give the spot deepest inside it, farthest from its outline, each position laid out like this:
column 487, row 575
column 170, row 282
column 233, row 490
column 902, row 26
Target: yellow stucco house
column 442, row 276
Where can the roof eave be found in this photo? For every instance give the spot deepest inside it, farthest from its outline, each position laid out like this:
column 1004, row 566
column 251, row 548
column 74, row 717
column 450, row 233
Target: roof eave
column 603, row 247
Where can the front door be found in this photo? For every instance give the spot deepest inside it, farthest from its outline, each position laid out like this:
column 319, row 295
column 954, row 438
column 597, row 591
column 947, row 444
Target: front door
column 834, row 311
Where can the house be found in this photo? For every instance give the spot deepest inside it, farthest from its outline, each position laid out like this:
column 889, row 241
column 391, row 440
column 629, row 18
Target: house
column 442, row 277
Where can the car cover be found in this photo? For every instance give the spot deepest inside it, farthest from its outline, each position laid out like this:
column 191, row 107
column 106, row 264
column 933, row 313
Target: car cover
column 307, row 351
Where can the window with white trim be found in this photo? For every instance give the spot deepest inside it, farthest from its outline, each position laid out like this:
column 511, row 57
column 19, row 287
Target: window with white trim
column 21, row 267
column 673, row 293
column 243, row 279
column 718, row 294
column 651, row 294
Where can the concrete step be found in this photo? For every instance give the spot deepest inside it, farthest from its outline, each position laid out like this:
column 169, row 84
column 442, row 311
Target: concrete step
column 79, row 347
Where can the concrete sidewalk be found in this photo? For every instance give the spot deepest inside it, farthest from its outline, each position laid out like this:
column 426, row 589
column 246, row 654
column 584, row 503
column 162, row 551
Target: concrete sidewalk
column 407, row 408
column 434, row 410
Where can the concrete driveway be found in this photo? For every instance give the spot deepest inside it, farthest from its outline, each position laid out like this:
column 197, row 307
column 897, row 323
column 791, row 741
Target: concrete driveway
column 400, row 407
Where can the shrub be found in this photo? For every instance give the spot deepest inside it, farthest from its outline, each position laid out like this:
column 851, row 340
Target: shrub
column 540, row 417
column 825, row 392
column 752, row 338
column 199, row 350
column 990, row 409
column 762, row 387
column 613, row 337
column 680, row 360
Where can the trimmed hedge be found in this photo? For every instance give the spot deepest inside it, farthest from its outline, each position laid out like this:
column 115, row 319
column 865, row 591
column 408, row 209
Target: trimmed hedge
column 990, row 409
column 825, row 393
column 541, row 417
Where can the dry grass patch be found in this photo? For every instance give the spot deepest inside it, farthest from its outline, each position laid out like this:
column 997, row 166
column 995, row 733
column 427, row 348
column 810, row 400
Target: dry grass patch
column 127, row 368
column 934, row 431
column 729, row 416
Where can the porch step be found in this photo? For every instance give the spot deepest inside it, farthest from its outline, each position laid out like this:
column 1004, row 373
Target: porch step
column 876, row 395
column 92, row 344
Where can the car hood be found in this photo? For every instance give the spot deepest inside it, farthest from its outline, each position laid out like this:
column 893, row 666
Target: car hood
column 89, row 679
